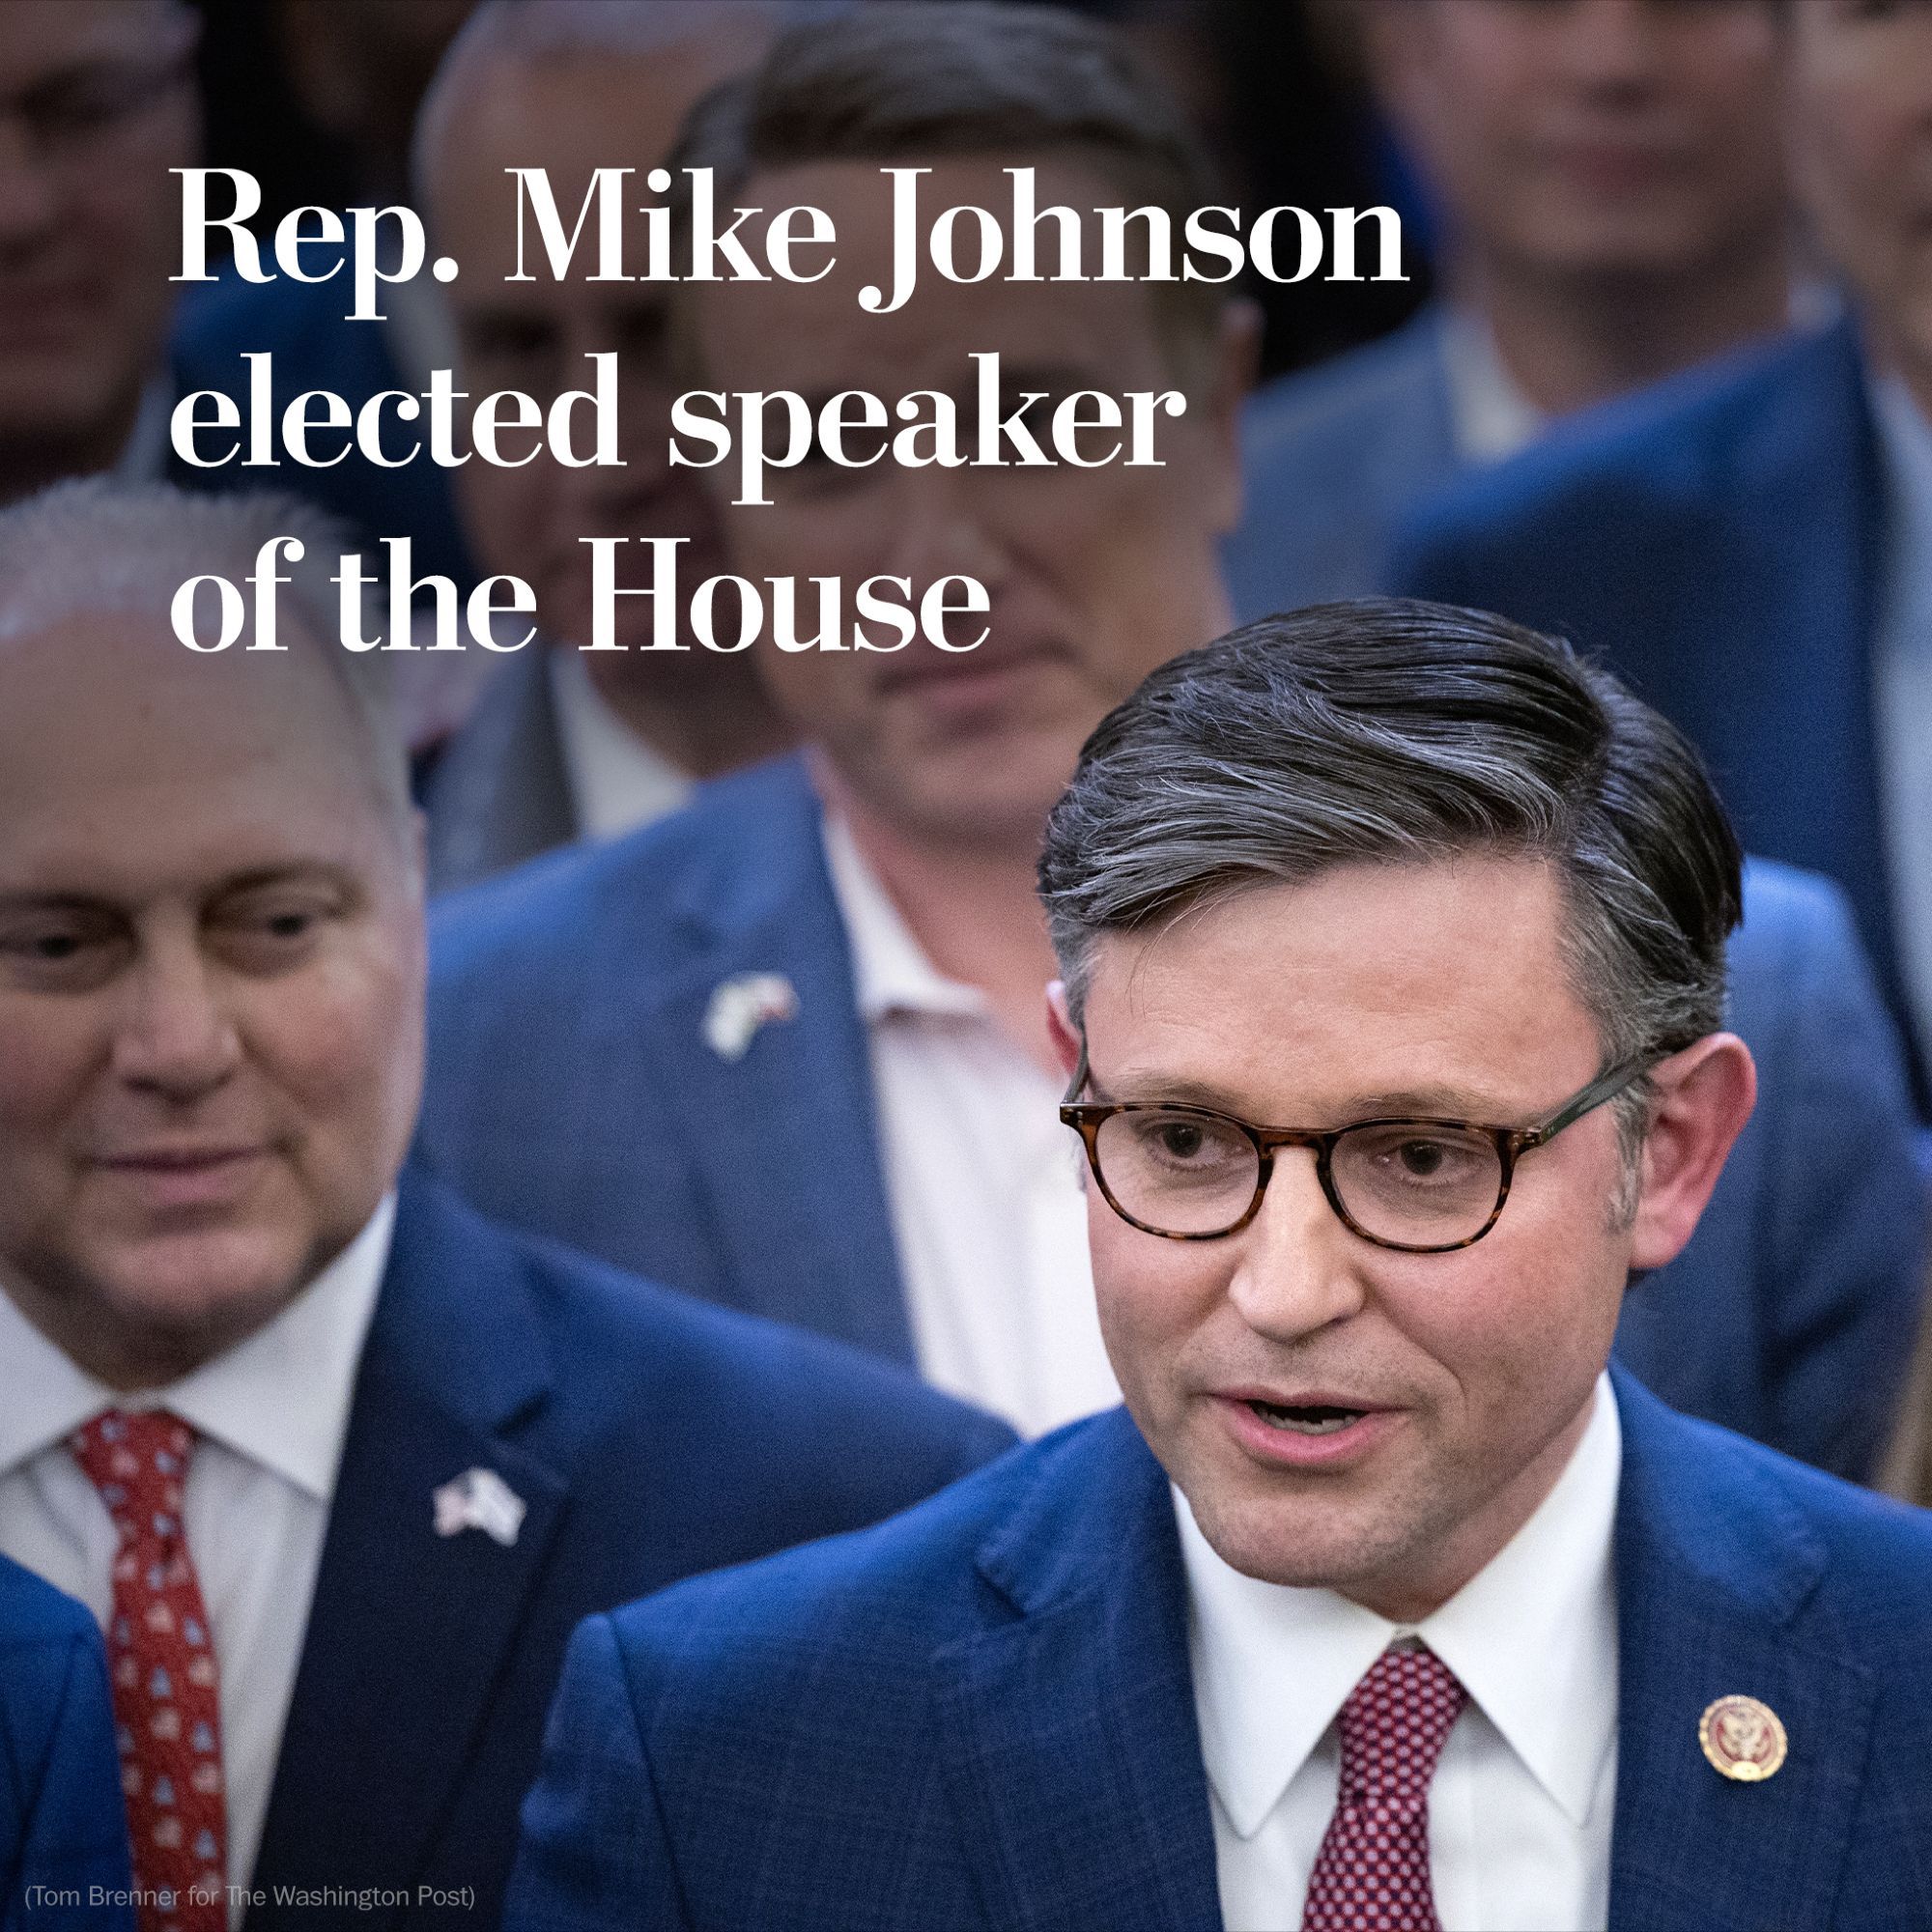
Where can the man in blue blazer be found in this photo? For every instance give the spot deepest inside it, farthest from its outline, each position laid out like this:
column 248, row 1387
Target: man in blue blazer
column 63, row 1832
column 569, row 1040
column 1380, row 1604
column 1753, row 547
column 765, row 996
column 337, row 1464
column 1567, row 281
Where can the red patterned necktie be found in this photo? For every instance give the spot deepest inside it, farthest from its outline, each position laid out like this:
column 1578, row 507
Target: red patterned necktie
column 166, row 1705
column 1372, row 1873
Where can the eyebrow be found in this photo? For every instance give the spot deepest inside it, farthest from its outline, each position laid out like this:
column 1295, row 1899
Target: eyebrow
column 1401, row 1103
column 26, row 898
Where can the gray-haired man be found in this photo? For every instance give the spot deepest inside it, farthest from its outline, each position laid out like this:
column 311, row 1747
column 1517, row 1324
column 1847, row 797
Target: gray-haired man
column 337, row 1462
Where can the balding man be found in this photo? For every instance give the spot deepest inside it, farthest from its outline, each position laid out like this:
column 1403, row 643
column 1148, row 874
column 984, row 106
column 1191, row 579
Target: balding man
column 565, row 744
column 337, row 1462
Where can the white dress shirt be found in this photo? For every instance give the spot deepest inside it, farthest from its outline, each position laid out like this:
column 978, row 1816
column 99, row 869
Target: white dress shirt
column 269, row 1416
column 1902, row 681
column 1490, row 418
column 1519, row 1810
column 617, row 783
column 984, row 1181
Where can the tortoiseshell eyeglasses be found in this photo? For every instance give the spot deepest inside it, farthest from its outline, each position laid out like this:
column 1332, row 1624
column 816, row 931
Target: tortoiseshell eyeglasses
column 1422, row 1186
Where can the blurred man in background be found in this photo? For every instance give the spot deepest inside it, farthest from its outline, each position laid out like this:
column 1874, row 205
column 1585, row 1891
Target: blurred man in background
column 1611, row 200
column 567, row 744
column 803, row 1018
column 337, row 1462
column 787, row 1049
column 97, row 103
column 1755, row 547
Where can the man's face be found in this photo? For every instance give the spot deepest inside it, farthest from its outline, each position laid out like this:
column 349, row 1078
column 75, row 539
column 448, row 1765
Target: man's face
column 96, row 104
column 1096, row 576
column 571, row 116
column 211, row 988
column 1861, row 139
column 1593, row 137
column 1436, row 990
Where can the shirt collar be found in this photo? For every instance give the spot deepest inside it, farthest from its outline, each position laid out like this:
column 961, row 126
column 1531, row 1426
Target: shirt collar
column 617, row 783
column 891, row 972
column 280, row 1397
column 1532, row 1636
column 1490, row 417
column 1905, row 436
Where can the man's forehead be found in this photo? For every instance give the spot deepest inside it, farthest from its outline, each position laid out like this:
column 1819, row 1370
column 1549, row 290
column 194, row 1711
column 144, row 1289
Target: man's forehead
column 1368, row 980
column 102, row 700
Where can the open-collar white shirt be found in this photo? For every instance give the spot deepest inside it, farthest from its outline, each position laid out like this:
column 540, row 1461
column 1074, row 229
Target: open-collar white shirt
column 1520, row 1808
column 269, row 1416
column 988, row 1214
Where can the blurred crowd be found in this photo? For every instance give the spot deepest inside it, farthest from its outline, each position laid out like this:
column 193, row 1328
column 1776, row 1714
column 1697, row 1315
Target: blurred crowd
column 734, row 961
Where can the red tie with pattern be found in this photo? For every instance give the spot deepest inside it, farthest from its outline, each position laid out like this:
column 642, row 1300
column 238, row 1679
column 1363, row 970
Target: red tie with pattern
column 1372, row 1873
column 166, row 1705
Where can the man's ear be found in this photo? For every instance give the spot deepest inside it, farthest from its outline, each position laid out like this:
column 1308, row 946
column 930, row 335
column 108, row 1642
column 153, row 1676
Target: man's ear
column 1704, row 1097
column 1233, row 362
column 1060, row 1025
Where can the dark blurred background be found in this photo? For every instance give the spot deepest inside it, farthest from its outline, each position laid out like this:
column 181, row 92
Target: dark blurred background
column 315, row 99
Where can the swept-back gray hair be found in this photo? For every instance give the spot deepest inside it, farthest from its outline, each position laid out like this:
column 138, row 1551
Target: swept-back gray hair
column 1388, row 730
column 101, row 546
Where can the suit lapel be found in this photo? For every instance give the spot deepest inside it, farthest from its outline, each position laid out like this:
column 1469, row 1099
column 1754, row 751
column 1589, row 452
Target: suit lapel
column 1712, row 1567
column 1071, row 1750
column 409, row 1628
column 1804, row 565
column 784, row 1137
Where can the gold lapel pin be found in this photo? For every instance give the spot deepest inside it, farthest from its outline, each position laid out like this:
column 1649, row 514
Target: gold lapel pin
column 1743, row 1737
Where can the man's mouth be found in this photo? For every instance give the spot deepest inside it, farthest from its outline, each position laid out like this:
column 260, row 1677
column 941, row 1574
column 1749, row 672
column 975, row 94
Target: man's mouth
column 1306, row 1420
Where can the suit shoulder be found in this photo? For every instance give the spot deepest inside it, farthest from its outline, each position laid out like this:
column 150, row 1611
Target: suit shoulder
column 1760, row 1507
column 1304, row 412
column 555, row 908
column 1655, row 448
column 899, row 1589
column 748, row 1399
column 33, row 1612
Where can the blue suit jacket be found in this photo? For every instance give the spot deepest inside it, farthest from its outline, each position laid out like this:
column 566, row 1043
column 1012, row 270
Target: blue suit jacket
column 572, row 1091
column 982, row 1715
column 1332, row 458
column 63, row 1827
column 647, row 1436
column 302, row 325
column 1717, row 541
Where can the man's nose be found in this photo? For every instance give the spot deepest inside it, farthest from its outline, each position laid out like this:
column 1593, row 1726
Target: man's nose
column 1614, row 43
column 943, row 526
column 29, row 200
column 177, row 1037
column 1299, row 1265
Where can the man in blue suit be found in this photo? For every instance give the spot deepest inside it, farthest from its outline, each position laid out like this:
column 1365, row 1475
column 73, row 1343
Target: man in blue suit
column 835, row 962
column 1752, row 548
column 1380, row 1604
column 1612, row 206
column 798, row 1010
column 63, row 1832
column 337, row 1464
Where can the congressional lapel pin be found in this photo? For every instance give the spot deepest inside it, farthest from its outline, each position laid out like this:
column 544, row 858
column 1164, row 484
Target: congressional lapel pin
column 1743, row 1737
column 741, row 1005
column 479, row 1500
